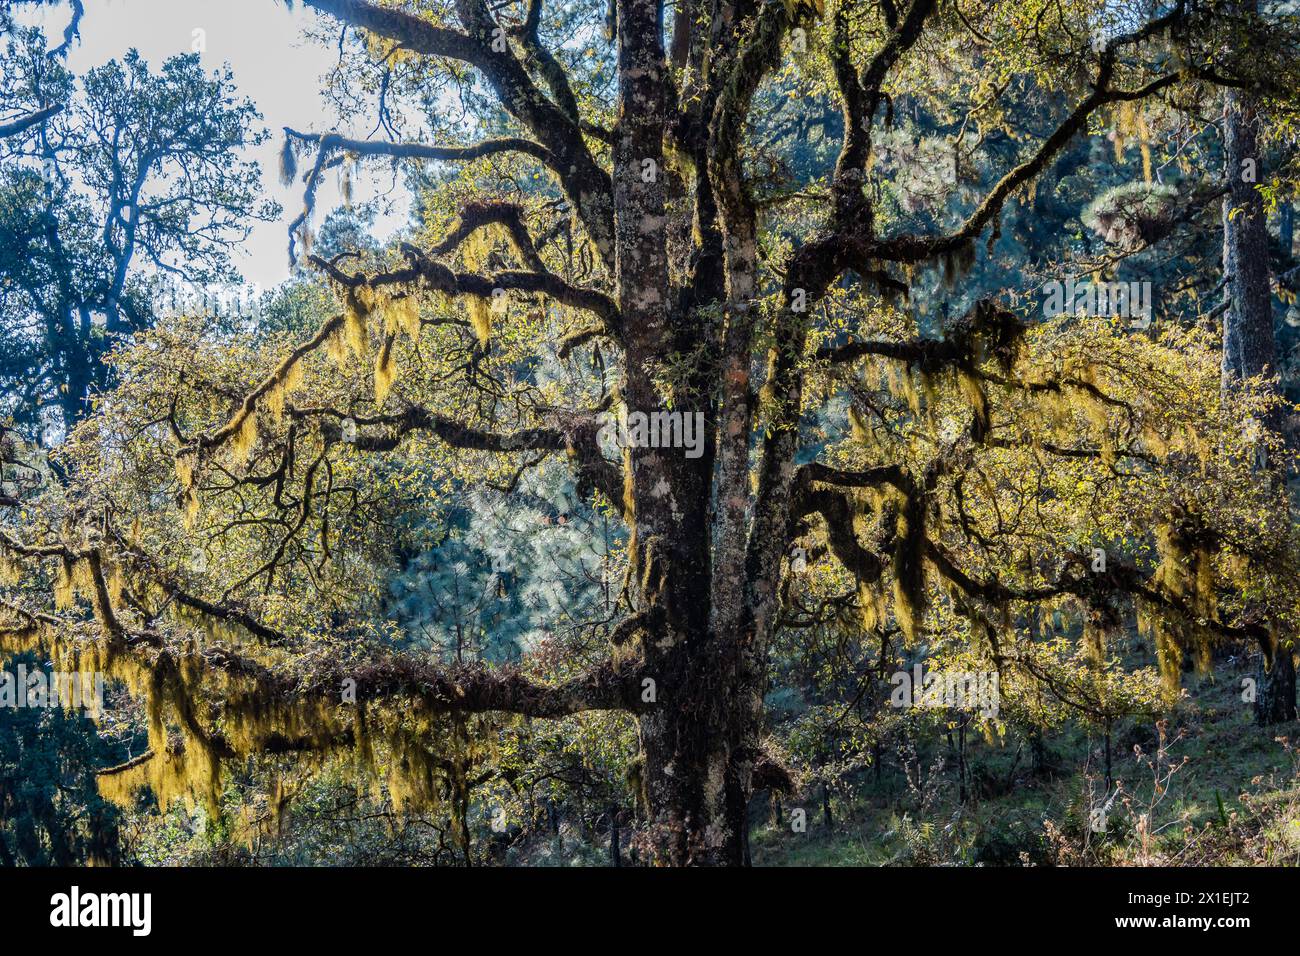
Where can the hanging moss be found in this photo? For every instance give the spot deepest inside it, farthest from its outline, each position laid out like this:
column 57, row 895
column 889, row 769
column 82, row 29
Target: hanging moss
column 185, row 466
column 288, row 163
column 275, row 403
column 354, row 321
column 345, row 184
column 1185, row 574
column 10, row 570
column 64, row 593
column 871, row 605
column 859, row 428
column 336, row 347
column 957, row 264
column 241, row 446
column 401, row 314
column 288, row 379
column 900, row 382
column 480, row 317
column 972, row 391
column 479, row 244
column 384, row 370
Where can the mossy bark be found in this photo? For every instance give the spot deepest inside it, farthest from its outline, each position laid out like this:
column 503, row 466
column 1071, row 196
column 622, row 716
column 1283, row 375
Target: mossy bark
column 1275, row 693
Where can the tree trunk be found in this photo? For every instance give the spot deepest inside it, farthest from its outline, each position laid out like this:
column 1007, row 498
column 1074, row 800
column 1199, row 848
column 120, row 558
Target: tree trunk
column 1248, row 346
column 78, row 367
column 1275, row 694
column 615, row 855
column 694, row 731
column 698, row 771
column 1286, row 230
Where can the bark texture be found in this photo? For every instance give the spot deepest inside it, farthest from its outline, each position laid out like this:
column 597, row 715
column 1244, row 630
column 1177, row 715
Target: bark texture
column 1249, row 348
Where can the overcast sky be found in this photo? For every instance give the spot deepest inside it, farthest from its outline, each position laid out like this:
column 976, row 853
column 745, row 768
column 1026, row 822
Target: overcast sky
column 273, row 63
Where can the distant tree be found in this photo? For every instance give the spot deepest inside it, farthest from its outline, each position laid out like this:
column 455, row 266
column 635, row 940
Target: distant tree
column 125, row 181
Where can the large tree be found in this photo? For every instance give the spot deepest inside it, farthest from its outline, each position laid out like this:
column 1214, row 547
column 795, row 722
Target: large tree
column 985, row 467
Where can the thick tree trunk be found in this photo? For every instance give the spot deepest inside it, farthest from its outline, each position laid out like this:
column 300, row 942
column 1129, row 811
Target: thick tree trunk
column 691, row 738
column 1248, row 347
column 1275, row 690
column 1248, row 344
column 699, row 752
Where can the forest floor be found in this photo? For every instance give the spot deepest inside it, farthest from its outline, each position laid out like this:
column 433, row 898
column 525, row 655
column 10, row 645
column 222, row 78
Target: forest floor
column 1217, row 790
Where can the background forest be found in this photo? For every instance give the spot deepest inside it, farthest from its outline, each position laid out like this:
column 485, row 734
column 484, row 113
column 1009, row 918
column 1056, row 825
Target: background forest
column 369, row 587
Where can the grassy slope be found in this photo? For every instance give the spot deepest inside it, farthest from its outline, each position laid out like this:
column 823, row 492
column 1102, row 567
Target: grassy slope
column 1045, row 818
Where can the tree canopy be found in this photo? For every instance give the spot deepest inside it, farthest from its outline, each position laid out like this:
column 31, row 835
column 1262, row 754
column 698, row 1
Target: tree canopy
column 437, row 524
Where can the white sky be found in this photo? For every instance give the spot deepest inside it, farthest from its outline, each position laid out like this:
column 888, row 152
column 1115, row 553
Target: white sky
column 274, row 65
